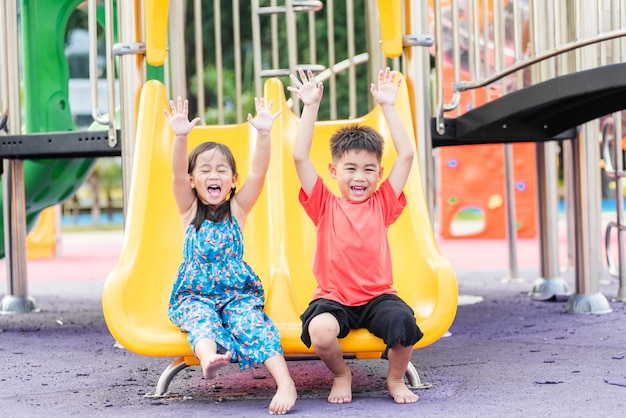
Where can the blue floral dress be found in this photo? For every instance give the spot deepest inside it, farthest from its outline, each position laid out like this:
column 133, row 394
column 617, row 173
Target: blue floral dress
column 216, row 295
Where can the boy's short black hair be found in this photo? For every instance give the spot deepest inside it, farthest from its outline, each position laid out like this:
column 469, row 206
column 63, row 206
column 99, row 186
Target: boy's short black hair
column 356, row 137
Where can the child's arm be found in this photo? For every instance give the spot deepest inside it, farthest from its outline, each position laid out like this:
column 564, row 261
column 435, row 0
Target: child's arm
column 179, row 121
column 310, row 93
column 251, row 189
column 385, row 96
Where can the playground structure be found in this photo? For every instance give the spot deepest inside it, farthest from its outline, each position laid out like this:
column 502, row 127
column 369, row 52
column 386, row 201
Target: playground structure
column 524, row 115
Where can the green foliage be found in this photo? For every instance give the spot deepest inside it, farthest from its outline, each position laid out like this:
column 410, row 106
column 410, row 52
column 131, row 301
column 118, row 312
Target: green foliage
column 210, row 94
column 339, row 41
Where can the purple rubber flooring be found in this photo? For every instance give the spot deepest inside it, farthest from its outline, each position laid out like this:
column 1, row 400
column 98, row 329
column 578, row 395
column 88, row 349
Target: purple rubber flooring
column 506, row 356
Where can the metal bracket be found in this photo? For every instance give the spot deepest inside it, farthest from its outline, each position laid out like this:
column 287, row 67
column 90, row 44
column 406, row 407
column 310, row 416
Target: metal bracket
column 418, row 40
column 127, row 48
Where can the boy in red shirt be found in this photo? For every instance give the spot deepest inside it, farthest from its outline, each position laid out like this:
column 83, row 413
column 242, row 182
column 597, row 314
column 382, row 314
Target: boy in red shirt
column 352, row 262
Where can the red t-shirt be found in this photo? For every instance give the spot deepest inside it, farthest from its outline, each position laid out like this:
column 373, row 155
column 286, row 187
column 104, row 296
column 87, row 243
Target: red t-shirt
column 352, row 261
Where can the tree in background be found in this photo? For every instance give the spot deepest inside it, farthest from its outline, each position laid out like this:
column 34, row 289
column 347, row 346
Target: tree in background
column 228, row 54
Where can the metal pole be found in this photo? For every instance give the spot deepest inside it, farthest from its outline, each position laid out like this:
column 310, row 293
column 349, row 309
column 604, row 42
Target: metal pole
column 351, row 52
column 418, row 72
column 130, row 80
column 238, row 64
column 330, row 34
column 509, row 178
column 178, row 79
column 549, row 283
column 565, row 33
column 219, row 65
column 587, row 298
column 256, row 48
column 619, row 202
column 198, row 41
column 14, row 211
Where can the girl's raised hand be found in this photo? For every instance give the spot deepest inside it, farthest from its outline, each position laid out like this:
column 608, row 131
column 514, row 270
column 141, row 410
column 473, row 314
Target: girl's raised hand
column 264, row 118
column 387, row 90
column 179, row 118
column 307, row 90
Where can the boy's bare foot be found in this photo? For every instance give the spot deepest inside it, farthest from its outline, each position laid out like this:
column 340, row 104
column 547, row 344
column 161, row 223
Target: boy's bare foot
column 400, row 392
column 211, row 364
column 284, row 399
column 341, row 392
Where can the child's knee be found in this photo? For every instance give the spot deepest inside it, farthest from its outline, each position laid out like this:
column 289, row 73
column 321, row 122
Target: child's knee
column 323, row 329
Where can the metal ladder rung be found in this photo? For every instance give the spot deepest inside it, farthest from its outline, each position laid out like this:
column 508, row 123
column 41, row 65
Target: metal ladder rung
column 286, row 72
column 299, row 6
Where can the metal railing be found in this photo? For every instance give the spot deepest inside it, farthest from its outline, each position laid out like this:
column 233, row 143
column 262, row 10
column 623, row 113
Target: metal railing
column 486, row 42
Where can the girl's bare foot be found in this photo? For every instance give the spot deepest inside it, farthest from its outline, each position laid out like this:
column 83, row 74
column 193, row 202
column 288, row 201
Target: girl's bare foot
column 284, row 399
column 341, row 392
column 212, row 363
column 400, row 392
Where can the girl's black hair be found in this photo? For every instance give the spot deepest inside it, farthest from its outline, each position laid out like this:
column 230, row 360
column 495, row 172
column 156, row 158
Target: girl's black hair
column 211, row 212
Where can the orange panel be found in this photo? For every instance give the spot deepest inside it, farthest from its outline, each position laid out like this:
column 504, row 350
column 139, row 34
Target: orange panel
column 472, row 177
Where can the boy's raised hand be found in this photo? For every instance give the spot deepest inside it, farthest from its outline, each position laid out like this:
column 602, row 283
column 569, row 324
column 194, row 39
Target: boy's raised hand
column 306, row 89
column 264, row 118
column 179, row 119
column 387, row 90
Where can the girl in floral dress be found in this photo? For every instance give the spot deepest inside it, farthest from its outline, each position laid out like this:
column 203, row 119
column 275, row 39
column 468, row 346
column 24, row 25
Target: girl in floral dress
column 217, row 299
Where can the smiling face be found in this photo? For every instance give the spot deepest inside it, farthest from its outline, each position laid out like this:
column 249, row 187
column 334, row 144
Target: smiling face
column 357, row 173
column 212, row 175
column 357, row 152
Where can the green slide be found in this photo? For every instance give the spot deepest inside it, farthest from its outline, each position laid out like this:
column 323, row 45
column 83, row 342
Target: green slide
column 46, row 105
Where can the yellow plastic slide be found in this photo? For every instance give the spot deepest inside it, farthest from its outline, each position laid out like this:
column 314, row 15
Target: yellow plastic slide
column 279, row 238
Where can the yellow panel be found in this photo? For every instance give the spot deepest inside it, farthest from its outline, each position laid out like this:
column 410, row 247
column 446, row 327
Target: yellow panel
column 390, row 13
column 41, row 241
column 156, row 15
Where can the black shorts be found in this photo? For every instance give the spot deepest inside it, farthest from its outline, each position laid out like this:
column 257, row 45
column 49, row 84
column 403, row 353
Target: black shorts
column 387, row 316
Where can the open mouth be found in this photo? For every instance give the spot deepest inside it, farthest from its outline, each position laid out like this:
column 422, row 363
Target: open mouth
column 358, row 190
column 214, row 190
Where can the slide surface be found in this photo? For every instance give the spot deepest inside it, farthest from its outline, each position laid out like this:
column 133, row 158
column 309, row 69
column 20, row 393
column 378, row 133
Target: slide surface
column 279, row 237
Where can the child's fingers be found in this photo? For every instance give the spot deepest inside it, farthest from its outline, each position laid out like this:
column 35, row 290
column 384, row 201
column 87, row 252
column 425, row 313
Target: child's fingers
column 295, row 81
